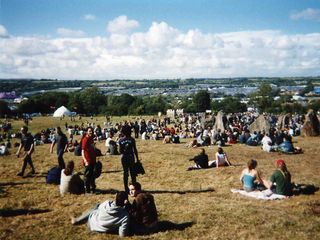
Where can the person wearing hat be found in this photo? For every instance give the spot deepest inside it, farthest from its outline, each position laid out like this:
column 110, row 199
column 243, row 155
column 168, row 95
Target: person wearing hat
column 280, row 180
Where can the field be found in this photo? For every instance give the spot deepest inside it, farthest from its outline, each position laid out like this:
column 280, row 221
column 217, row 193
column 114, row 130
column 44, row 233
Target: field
column 32, row 209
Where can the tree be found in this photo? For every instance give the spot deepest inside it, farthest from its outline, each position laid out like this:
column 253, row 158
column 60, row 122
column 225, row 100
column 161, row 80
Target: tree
column 4, row 109
column 263, row 98
column 92, row 100
column 229, row 105
column 309, row 87
column 202, row 101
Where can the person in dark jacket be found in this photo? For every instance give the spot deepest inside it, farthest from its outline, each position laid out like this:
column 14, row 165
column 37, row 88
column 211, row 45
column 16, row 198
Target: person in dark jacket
column 129, row 152
column 201, row 160
column 62, row 143
column 27, row 143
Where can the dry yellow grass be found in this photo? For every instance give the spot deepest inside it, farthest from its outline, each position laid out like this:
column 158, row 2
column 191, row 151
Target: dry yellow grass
column 181, row 196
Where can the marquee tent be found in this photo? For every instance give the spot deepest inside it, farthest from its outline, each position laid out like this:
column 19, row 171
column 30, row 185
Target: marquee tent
column 62, row 111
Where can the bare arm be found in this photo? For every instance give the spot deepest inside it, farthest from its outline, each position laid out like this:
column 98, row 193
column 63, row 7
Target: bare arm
column 84, row 158
column 52, row 146
column 135, row 149
column 31, row 149
column 217, row 160
column 19, row 150
column 227, row 160
column 241, row 176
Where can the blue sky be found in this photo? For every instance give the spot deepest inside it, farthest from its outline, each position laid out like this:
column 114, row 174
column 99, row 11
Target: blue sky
column 159, row 39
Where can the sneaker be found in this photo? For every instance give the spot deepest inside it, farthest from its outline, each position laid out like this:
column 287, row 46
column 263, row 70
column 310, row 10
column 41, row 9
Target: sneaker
column 20, row 174
column 73, row 220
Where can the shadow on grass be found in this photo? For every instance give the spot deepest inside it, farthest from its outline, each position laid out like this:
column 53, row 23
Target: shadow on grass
column 106, row 191
column 305, row 189
column 179, row 192
column 17, row 212
column 164, row 226
column 2, row 185
column 112, row 171
column 13, row 183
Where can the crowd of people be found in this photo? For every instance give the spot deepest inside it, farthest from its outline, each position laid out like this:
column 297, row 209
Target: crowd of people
column 140, row 216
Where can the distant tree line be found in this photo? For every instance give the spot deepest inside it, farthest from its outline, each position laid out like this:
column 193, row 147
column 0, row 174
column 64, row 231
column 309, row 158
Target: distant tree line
column 92, row 102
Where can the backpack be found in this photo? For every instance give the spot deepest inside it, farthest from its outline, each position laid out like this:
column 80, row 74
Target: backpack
column 97, row 169
column 98, row 152
column 76, row 185
column 54, row 175
column 77, row 150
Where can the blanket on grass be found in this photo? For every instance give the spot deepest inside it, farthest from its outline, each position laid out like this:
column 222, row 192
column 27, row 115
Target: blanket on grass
column 264, row 195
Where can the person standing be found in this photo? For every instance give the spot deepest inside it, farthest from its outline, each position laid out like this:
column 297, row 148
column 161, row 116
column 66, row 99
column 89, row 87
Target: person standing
column 27, row 144
column 128, row 150
column 62, row 143
column 89, row 160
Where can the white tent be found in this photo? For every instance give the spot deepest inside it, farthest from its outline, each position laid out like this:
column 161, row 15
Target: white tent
column 62, row 111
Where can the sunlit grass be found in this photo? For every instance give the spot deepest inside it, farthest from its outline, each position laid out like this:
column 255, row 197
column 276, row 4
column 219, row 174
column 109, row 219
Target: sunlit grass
column 202, row 196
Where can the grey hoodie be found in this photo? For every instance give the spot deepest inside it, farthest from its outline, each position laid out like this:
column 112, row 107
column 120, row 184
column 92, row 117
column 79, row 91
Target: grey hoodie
column 109, row 217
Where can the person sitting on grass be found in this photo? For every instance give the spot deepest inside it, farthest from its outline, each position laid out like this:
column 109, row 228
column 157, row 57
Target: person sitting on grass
column 221, row 159
column 70, row 181
column 201, row 160
column 280, row 180
column 251, row 179
column 287, row 146
column 107, row 217
column 143, row 211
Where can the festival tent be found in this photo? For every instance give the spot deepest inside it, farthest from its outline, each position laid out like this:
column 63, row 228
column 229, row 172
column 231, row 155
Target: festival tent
column 62, row 111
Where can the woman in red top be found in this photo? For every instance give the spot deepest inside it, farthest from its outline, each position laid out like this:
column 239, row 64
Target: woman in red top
column 89, row 159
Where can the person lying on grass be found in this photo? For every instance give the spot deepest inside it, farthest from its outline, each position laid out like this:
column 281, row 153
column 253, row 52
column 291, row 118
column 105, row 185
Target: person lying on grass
column 107, row 217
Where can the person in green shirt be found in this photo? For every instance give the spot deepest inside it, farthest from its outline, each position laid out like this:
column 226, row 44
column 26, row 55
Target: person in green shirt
column 280, row 180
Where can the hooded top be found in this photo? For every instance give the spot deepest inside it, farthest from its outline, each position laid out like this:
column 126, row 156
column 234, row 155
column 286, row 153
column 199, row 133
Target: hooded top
column 109, row 217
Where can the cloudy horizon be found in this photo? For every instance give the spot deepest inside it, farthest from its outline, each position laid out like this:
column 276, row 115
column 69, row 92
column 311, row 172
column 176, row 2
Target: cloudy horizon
column 132, row 49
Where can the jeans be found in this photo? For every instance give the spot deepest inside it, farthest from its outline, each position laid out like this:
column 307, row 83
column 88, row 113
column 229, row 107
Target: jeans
column 89, row 179
column 27, row 160
column 61, row 163
column 128, row 165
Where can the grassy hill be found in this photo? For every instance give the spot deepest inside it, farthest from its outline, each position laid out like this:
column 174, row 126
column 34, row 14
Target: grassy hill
column 32, row 209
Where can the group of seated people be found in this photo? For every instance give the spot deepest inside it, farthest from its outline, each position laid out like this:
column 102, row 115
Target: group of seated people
column 279, row 182
column 119, row 215
column 202, row 161
column 285, row 146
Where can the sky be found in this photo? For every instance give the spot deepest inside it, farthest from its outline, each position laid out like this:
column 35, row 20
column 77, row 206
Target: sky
column 159, row 39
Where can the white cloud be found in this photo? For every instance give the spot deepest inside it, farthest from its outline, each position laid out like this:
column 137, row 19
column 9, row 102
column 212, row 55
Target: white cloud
column 65, row 32
column 3, row 32
column 161, row 52
column 307, row 14
column 122, row 24
column 89, row 17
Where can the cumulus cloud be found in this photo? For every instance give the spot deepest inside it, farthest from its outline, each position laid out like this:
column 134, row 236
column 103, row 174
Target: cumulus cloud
column 307, row 14
column 121, row 24
column 162, row 51
column 3, row 32
column 65, row 32
column 89, row 17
